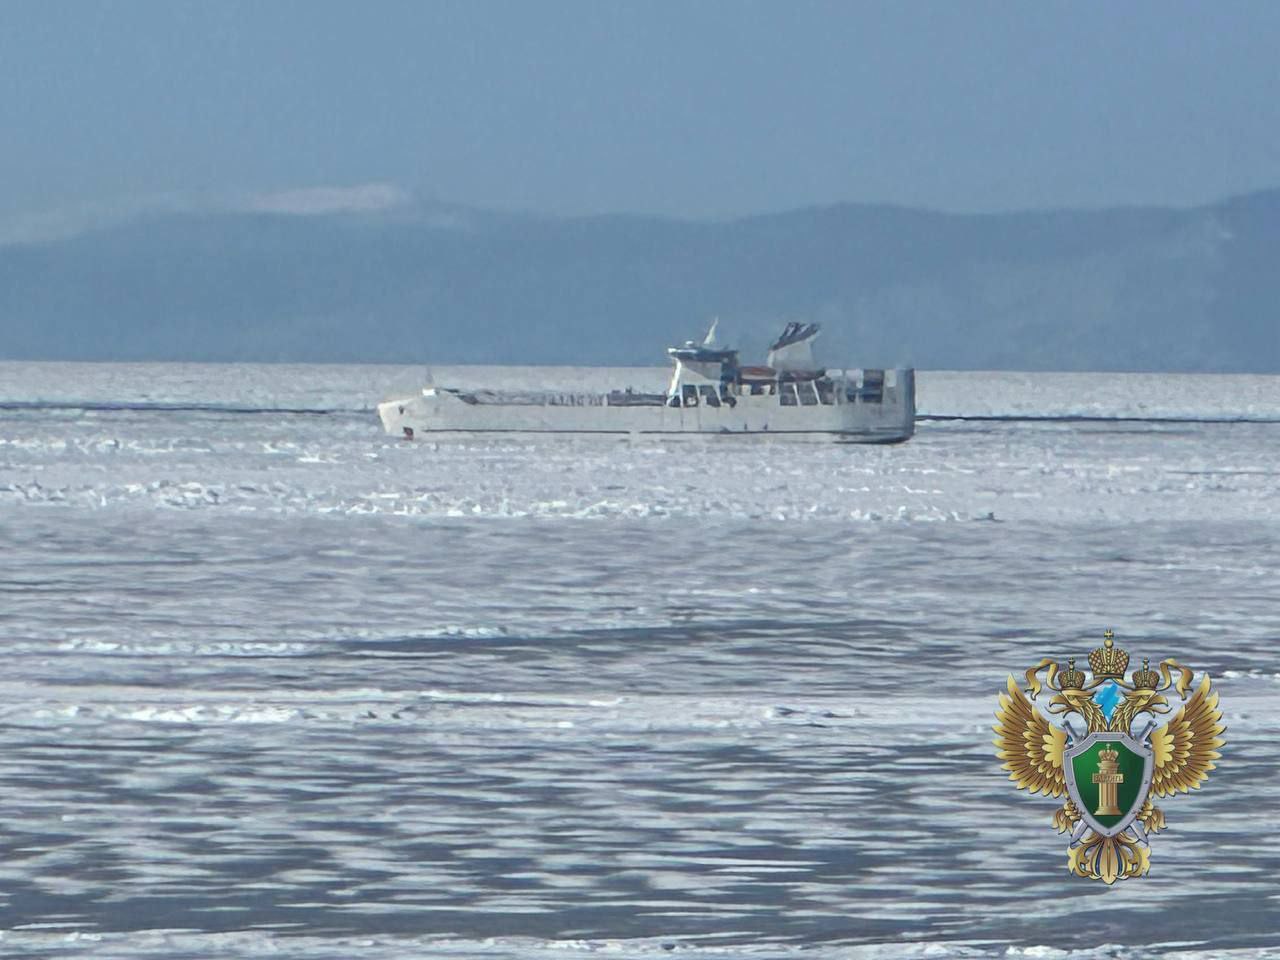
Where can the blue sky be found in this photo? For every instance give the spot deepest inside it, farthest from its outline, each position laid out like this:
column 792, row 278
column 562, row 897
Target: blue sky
column 685, row 109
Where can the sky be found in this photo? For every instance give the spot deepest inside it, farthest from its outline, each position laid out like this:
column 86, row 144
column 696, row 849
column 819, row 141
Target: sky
column 706, row 109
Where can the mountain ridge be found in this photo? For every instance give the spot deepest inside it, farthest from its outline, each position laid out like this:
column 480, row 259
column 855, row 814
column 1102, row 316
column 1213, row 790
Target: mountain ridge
column 1134, row 288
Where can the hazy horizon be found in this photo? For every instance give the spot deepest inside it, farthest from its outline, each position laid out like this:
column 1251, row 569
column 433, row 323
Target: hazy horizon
column 366, row 275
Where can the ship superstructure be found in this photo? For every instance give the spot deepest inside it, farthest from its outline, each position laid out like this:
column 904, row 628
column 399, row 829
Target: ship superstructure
column 710, row 392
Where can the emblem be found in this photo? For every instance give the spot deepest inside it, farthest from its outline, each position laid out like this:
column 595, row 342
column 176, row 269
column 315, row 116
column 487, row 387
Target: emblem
column 1108, row 773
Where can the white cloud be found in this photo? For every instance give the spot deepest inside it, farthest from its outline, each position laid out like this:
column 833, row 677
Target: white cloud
column 363, row 198
column 44, row 226
column 48, row 225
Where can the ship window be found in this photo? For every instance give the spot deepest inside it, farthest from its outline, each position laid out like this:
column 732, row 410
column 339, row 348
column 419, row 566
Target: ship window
column 757, row 389
column 872, row 387
column 787, row 394
column 690, row 394
column 826, row 391
column 808, row 393
column 709, row 393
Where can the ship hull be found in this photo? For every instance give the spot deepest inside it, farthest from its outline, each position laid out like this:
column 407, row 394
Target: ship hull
column 434, row 412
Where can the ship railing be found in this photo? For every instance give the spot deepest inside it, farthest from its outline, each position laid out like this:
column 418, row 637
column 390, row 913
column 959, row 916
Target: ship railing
column 530, row 398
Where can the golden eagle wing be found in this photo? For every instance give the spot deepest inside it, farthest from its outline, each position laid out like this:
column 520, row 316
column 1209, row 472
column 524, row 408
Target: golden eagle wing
column 1184, row 749
column 1030, row 746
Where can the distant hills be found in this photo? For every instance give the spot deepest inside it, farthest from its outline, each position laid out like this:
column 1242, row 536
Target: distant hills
column 1122, row 289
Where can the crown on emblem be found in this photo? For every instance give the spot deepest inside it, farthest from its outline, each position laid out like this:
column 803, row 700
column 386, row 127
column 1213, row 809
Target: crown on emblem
column 1146, row 678
column 1070, row 677
column 1108, row 660
column 1108, row 756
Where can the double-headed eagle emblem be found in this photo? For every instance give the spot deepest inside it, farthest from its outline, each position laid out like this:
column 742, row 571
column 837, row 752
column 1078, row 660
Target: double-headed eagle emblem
column 1108, row 772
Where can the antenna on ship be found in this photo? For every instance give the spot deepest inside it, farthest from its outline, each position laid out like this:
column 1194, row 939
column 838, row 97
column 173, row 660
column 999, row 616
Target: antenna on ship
column 710, row 338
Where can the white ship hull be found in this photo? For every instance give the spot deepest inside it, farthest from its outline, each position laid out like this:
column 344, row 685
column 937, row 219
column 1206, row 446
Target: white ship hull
column 888, row 419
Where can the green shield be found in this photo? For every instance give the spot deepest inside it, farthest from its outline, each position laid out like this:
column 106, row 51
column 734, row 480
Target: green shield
column 1104, row 769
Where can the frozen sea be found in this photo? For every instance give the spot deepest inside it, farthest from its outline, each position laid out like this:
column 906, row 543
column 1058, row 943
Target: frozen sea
column 276, row 684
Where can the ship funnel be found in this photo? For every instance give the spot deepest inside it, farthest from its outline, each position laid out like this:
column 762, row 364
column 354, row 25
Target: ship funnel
column 793, row 350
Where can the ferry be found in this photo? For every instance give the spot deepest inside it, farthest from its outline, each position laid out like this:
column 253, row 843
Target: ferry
column 709, row 393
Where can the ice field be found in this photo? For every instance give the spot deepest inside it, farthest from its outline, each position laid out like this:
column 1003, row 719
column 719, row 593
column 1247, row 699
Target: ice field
column 277, row 683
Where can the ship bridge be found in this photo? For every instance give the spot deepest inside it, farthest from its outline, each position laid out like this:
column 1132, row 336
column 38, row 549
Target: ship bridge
column 709, row 376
